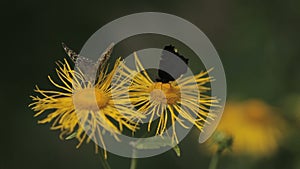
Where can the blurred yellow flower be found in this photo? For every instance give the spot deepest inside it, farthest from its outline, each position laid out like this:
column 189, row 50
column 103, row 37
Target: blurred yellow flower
column 255, row 127
column 179, row 101
column 94, row 105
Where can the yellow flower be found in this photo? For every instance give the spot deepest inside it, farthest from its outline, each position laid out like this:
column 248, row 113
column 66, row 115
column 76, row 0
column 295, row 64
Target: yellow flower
column 79, row 103
column 182, row 100
column 254, row 126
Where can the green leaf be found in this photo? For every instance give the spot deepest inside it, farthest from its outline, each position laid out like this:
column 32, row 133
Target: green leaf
column 73, row 135
column 156, row 143
column 177, row 150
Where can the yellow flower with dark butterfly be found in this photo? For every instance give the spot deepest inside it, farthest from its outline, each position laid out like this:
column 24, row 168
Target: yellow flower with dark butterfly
column 79, row 102
column 182, row 101
column 255, row 127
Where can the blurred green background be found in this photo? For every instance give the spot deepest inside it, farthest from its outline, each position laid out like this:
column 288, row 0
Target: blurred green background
column 258, row 43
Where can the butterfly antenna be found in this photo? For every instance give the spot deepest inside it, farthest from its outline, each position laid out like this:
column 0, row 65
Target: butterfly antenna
column 73, row 55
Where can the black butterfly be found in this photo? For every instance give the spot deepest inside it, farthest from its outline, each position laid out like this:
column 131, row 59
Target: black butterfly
column 171, row 68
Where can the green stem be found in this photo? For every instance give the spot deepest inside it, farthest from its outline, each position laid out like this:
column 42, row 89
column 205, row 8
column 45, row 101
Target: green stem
column 214, row 160
column 133, row 160
column 104, row 161
column 223, row 141
column 133, row 163
column 105, row 164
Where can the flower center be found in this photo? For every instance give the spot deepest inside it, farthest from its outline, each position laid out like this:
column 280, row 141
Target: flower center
column 166, row 93
column 256, row 111
column 90, row 99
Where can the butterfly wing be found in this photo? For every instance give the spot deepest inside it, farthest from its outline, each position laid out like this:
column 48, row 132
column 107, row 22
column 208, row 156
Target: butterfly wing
column 172, row 65
column 88, row 67
column 102, row 61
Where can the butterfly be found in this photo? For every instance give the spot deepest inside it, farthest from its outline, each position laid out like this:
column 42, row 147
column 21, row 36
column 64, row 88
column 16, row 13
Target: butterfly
column 171, row 68
column 88, row 66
